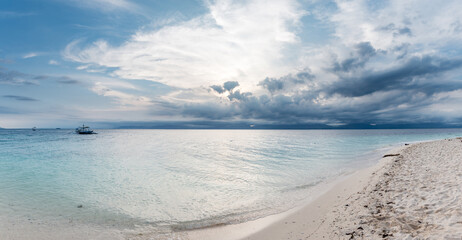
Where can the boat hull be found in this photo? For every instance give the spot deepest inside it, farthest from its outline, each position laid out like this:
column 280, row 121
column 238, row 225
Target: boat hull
column 84, row 130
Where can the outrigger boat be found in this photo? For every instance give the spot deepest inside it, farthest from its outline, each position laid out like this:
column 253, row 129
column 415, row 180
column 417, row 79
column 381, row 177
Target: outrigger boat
column 84, row 130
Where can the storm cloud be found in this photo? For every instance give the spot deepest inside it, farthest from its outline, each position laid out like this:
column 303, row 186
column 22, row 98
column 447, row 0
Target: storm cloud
column 218, row 88
column 361, row 54
column 417, row 74
column 360, row 94
column 290, row 81
column 230, row 85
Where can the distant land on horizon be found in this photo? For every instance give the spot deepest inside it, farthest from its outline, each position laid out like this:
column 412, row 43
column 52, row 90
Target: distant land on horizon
column 247, row 125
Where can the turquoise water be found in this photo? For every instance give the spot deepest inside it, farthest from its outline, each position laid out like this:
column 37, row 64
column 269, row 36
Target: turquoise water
column 180, row 178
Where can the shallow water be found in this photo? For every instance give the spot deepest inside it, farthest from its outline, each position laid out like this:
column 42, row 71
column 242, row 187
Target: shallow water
column 180, row 178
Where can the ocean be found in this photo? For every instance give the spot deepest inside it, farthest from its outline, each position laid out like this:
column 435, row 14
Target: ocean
column 179, row 179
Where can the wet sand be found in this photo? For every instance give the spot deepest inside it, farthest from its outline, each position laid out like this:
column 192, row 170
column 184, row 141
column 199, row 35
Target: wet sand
column 414, row 195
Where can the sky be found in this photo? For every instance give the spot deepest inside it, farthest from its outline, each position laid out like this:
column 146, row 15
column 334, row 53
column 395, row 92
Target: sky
column 114, row 63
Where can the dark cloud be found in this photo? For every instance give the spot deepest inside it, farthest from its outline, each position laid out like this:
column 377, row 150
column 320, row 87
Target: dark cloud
column 365, row 49
column 230, row 85
column 217, row 88
column 302, row 108
column 61, row 79
column 404, row 31
column 227, row 87
column 272, row 84
column 362, row 53
column 401, row 50
column 361, row 95
column 20, row 98
column 277, row 84
column 396, row 31
column 389, row 27
column 237, row 95
column 416, row 74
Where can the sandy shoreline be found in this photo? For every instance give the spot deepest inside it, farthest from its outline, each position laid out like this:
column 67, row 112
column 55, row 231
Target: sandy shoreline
column 304, row 222
column 415, row 195
column 314, row 221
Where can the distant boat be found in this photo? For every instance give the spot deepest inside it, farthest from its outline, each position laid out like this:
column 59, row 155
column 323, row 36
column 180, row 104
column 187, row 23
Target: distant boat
column 84, row 130
column 34, row 129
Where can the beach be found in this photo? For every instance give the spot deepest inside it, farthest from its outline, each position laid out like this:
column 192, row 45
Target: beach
column 230, row 119
column 413, row 192
column 416, row 194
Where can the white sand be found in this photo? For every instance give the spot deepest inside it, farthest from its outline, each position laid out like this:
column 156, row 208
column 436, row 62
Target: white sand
column 417, row 195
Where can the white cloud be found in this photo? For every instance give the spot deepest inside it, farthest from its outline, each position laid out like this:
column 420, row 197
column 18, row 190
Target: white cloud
column 53, row 62
column 31, row 55
column 426, row 24
column 82, row 67
column 398, row 30
column 242, row 41
column 91, row 68
column 123, row 99
column 246, row 41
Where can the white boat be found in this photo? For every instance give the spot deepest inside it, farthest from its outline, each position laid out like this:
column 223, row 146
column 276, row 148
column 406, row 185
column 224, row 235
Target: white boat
column 84, row 130
column 34, row 129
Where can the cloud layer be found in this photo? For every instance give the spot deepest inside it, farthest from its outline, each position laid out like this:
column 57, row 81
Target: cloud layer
column 386, row 62
column 236, row 40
